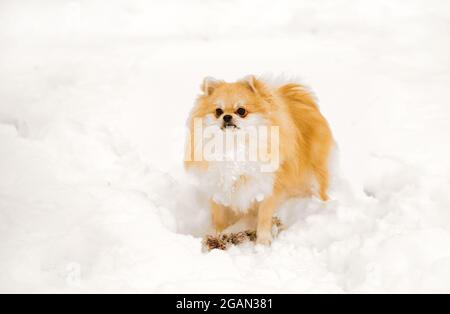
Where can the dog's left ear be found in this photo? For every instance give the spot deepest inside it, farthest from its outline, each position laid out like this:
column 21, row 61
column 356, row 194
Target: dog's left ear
column 251, row 82
column 255, row 85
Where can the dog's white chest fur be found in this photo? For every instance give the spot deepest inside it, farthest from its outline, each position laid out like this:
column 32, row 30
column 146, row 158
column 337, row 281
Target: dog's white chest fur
column 237, row 185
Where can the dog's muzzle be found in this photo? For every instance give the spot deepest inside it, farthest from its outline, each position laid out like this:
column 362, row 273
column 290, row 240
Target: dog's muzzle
column 228, row 122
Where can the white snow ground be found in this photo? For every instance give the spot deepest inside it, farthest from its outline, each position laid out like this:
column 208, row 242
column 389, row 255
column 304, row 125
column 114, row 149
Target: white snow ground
column 93, row 99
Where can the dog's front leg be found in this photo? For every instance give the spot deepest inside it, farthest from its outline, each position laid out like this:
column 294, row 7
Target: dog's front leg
column 220, row 216
column 265, row 215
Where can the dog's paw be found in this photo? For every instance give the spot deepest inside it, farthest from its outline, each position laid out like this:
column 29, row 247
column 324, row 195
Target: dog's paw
column 264, row 238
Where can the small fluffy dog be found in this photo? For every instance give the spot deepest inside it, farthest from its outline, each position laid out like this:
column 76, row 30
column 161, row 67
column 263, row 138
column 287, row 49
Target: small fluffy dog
column 302, row 144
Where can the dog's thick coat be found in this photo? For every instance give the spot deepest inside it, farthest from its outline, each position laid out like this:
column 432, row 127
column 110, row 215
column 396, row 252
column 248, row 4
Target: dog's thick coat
column 305, row 142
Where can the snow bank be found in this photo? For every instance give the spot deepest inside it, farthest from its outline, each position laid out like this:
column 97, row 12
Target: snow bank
column 93, row 102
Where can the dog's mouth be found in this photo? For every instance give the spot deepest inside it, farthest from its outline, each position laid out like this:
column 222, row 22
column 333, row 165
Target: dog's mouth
column 229, row 125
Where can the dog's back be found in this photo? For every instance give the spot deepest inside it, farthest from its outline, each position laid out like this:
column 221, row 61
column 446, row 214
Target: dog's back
column 314, row 138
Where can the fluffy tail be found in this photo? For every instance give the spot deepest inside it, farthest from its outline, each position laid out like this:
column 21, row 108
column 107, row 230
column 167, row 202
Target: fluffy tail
column 296, row 93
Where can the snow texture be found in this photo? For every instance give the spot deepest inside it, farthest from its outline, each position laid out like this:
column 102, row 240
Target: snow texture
column 94, row 97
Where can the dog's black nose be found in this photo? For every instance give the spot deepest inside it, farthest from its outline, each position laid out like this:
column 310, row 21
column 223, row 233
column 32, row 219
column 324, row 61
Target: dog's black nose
column 227, row 118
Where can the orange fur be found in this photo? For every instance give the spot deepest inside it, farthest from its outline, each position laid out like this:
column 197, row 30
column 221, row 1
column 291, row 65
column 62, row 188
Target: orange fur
column 305, row 142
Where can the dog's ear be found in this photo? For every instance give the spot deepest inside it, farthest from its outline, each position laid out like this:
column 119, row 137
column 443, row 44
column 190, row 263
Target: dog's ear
column 255, row 85
column 251, row 82
column 209, row 85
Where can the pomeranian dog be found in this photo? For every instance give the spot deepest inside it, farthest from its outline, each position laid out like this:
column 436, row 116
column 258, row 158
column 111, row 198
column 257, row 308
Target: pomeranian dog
column 290, row 139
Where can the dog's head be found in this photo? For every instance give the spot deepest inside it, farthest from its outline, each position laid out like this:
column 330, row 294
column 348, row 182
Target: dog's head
column 237, row 122
column 233, row 106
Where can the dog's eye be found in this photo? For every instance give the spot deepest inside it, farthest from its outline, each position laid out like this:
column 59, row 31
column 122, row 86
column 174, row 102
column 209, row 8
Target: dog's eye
column 242, row 112
column 219, row 112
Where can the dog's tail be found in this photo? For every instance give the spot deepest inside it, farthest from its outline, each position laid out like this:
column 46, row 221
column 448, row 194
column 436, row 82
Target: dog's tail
column 298, row 94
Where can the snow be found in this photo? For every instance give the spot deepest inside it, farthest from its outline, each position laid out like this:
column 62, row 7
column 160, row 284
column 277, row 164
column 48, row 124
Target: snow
column 94, row 97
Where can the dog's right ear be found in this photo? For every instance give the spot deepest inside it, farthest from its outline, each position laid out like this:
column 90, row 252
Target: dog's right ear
column 209, row 85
